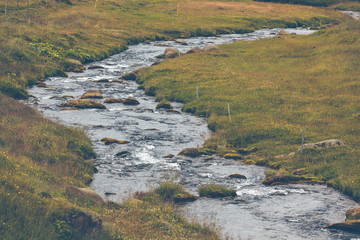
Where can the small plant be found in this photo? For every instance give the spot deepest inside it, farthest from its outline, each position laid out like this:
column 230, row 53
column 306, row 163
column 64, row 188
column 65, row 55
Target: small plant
column 216, row 191
column 174, row 192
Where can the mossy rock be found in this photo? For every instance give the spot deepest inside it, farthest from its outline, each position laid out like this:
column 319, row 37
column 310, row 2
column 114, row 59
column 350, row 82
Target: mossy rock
column 216, row 191
column 170, row 191
column 184, row 197
column 130, row 76
column 353, row 214
column 113, row 100
column 131, row 101
column 235, row 156
column 190, row 152
column 108, row 141
column 172, row 53
column 92, row 94
column 284, row 177
column 82, row 104
column 164, row 105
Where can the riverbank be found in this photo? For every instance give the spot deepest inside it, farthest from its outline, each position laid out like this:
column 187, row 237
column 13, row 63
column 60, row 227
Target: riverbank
column 37, row 42
column 313, row 85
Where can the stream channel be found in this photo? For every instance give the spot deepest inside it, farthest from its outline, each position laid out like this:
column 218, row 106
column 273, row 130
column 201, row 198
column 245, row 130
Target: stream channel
column 258, row 212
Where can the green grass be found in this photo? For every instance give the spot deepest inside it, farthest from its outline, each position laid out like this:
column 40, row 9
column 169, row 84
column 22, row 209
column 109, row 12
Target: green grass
column 35, row 42
column 216, row 191
column 275, row 88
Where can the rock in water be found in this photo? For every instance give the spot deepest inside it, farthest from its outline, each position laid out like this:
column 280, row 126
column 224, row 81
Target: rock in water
column 190, row 152
column 83, row 103
column 113, row 100
column 108, row 141
column 129, row 76
column 92, row 94
column 238, row 176
column 351, row 226
column 131, row 101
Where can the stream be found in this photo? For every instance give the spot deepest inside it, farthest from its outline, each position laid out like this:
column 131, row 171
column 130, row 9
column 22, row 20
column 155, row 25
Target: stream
column 258, row 212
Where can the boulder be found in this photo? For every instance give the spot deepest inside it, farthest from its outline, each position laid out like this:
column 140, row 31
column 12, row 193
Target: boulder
column 324, row 144
column 74, row 65
column 123, row 154
column 194, row 50
column 211, row 47
column 113, row 100
column 351, row 226
column 129, row 76
column 164, row 105
column 180, row 42
column 92, row 94
column 172, row 53
column 41, row 84
column 83, row 193
column 190, row 152
column 131, row 101
column 108, row 141
column 284, row 177
column 83, row 103
column 169, row 156
column 237, row 176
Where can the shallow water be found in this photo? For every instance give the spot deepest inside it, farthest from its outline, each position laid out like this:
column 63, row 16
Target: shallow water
column 258, row 212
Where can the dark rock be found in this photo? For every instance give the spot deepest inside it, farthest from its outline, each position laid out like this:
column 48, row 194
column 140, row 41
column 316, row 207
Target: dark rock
column 95, row 67
column 169, row 156
column 237, row 176
column 189, row 152
column 173, row 111
column 351, row 226
column 131, row 101
column 122, row 154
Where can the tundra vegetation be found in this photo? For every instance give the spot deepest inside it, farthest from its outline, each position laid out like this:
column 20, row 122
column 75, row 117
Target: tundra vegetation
column 39, row 39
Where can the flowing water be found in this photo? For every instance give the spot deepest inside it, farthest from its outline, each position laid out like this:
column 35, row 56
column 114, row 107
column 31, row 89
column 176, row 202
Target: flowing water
column 258, row 212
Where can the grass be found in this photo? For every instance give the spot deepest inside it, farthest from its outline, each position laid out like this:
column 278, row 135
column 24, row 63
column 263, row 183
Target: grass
column 314, row 84
column 174, row 192
column 36, row 42
column 216, row 191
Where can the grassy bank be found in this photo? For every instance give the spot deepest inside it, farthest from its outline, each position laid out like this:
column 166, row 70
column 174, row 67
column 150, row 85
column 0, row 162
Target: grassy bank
column 275, row 88
column 36, row 41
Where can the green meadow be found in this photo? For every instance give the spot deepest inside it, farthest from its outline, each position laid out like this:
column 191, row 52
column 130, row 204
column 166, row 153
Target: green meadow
column 275, row 88
column 313, row 85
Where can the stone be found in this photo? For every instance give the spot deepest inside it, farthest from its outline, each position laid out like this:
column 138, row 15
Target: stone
column 164, row 105
column 237, row 176
column 172, row 53
column 122, row 154
column 109, row 141
column 169, row 156
column 41, row 84
column 189, row 152
column 351, row 226
column 353, row 214
column 173, row 111
column 74, row 61
column 211, row 47
column 324, row 144
column 84, row 193
column 131, row 101
column 92, row 94
column 83, row 103
column 113, row 100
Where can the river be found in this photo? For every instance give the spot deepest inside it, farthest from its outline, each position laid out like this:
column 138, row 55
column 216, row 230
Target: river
column 258, row 212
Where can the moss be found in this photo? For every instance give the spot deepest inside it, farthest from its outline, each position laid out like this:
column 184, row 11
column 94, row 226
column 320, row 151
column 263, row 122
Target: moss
column 216, row 191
